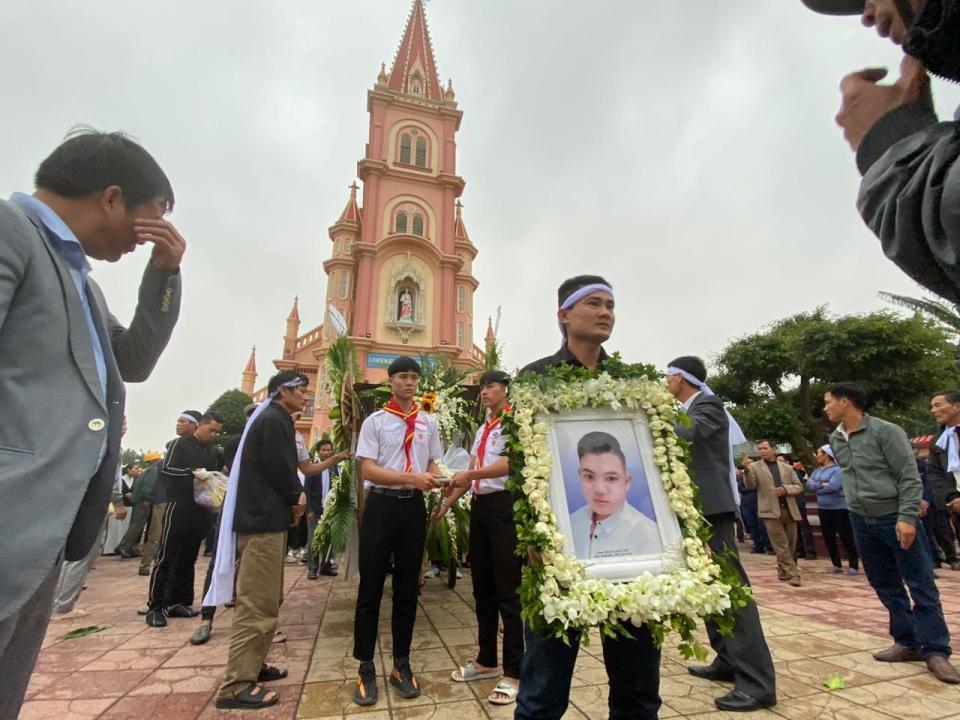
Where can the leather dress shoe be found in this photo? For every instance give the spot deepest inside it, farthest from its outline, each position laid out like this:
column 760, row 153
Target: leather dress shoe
column 201, row 635
column 709, row 672
column 942, row 669
column 897, row 653
column 736, row 701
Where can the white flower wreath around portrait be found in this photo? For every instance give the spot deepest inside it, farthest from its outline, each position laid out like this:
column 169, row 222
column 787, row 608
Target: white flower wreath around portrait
column 568, row 594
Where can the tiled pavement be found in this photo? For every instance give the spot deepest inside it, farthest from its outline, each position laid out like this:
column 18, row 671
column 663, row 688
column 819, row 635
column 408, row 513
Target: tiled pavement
column 828, row 626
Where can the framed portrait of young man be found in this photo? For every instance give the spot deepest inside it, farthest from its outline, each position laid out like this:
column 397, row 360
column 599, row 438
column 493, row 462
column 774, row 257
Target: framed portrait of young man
column 605, row 489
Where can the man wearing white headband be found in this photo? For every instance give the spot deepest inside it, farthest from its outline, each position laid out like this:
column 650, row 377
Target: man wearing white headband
column 264, row 498
column 743, row 658
column 186, row 426
column 586, row 316
column 185, row 524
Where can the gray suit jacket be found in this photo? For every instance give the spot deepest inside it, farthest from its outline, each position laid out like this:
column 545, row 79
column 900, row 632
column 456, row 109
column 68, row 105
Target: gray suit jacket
column 710, row 466
column 53, row 497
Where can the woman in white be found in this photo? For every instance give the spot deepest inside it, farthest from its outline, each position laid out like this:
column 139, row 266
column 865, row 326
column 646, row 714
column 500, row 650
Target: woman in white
column 608, row 526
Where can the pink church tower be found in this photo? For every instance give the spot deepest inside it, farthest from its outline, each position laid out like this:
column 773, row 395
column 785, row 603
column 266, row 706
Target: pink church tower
column 400, row 269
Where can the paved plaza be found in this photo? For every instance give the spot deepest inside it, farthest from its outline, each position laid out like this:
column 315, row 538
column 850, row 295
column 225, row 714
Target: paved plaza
column 127, row 670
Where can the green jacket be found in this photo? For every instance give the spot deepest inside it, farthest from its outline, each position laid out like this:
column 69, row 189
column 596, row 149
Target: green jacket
column 879, row 473
column 143, row 487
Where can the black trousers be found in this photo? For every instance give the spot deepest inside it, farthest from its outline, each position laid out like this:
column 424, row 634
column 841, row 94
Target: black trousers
column 495, row 567
column 208, row 611
column 139, row 515
column 394, row 527
column 185, row 525
column 832, row 523
column 745, row 652
column 941, row 535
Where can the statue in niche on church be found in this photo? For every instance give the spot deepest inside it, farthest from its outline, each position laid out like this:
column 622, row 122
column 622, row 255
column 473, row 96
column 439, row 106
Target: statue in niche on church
column 405, row 306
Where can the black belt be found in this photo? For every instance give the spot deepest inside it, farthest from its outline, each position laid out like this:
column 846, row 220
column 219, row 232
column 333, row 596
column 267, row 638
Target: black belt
column 395, row 492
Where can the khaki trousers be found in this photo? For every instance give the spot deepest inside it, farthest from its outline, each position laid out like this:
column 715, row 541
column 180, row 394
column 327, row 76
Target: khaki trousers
column 783, row 537
column 152, row 542
column 259, row 596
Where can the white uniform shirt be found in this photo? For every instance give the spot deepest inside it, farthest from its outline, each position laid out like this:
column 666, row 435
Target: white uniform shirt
column 381, row 440
column 627, row 532
column 494, row 451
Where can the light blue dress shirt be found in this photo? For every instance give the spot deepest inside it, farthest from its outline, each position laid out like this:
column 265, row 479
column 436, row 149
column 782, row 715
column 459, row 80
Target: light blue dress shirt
column 71, row 250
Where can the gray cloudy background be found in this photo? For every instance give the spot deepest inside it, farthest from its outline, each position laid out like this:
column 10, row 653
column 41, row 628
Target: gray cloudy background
column 685, row 150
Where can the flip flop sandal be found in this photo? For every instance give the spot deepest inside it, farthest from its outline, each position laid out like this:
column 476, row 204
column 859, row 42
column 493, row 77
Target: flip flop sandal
column 249, row 699
column 269, row 673
column 469, row 673
column 504, row 688
column 279, row 637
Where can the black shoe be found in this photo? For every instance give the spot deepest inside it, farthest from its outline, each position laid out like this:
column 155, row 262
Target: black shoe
column 126, row 554
column 181, row 611
column 366, row 692
column 403, row 679
column 328, row 571
column 736, row 701
column 312, row 575
column 202, row 634
column 144, row 572
column 756, row 551
column 954, row 565
column 709, row 672
column 156, row 618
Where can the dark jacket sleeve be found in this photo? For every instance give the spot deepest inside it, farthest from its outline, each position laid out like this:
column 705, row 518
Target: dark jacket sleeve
column 707, row 418
column 943, row 484
column 910, row 195
column 314, row 490
column 280, row 459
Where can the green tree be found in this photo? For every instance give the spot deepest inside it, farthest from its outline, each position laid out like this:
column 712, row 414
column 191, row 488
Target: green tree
column 230, row 405
column 131, row 456
column 776, row 378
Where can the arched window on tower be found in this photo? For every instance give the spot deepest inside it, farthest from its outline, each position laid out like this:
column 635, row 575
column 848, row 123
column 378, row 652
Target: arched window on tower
column 347, row 246
column 344, row 284
column 461, row 299
column 406, row 143
column 421, row 157
column 418, row 225
column 332, row 284
column 461, row 334
column 401, row 225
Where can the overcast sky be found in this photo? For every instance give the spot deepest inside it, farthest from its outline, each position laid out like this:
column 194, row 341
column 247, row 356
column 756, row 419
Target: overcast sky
column 685, row 150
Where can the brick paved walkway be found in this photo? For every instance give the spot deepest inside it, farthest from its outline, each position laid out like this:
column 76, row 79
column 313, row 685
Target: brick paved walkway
column 828, row 626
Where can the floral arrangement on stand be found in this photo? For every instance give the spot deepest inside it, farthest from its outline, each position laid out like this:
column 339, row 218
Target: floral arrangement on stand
column 339, row 512
column 556, row 592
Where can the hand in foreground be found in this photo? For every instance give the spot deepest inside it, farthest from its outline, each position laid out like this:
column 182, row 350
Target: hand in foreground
column 439, row 512
column 863, row 101
column 296, row 511
column 168, row 244
column 906, row 534
column 924, row 508
column 422, row 481
column 954, row 505
column 119, row 512
column 345, row 455
column 780, row 491
column 460, row 481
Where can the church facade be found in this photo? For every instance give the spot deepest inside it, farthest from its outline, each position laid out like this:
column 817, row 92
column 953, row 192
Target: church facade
column 399, row 271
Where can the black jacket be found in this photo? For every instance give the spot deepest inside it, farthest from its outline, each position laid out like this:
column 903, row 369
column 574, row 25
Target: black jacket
column 268, row 485
column 562, row 357
column 710, row 467
column 942, row 481
column 184, row 455
column 314, row 490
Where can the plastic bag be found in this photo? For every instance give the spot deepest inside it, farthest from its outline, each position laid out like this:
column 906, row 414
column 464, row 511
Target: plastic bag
column 209, row 489
column 456, row 459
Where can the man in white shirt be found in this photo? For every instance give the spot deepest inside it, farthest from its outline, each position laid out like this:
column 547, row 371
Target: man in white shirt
column 495, row 565
column 398, row 449
column 608, row 526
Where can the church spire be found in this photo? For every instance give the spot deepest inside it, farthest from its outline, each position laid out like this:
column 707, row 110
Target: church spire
column 414, row 69
column 351, row 213
column 293, row 330
column 491, row 338
column 249, row 376
column 459, row 229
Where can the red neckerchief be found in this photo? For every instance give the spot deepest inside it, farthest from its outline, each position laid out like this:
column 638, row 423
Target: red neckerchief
column 410, row 419
column 488, row 427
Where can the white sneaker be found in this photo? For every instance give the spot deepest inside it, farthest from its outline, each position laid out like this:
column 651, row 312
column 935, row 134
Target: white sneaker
column 72, row 615
column 433, row 572
column 459, row 574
